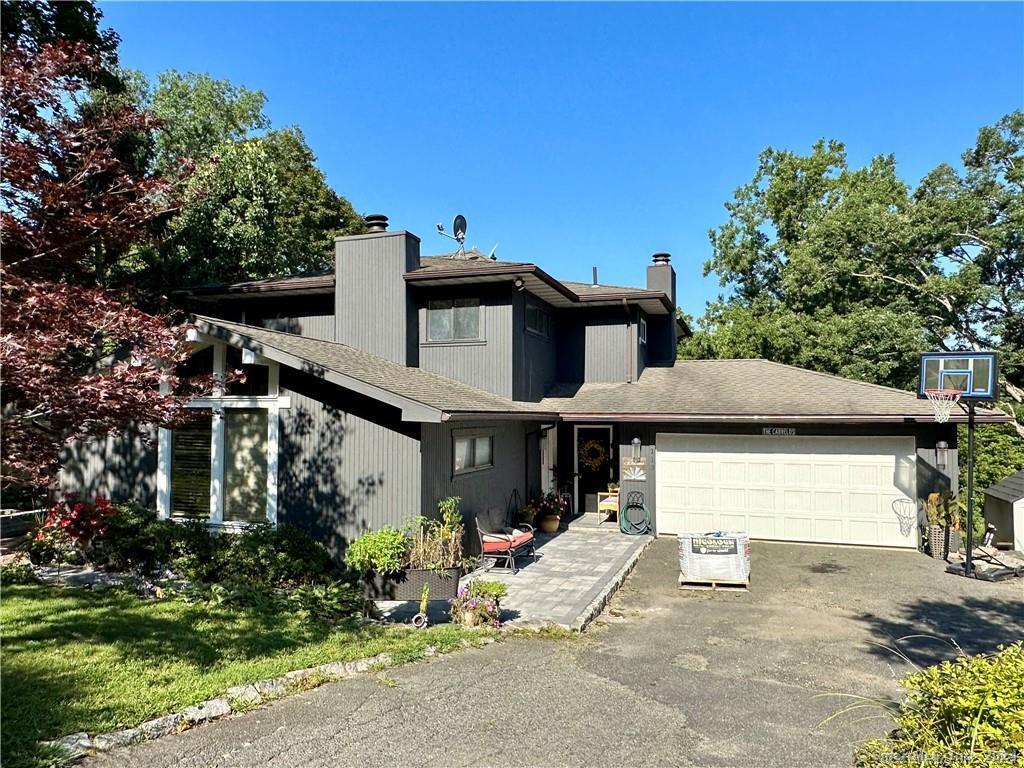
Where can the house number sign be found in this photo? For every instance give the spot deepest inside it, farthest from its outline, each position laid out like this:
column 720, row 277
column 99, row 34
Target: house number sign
column 778, row 431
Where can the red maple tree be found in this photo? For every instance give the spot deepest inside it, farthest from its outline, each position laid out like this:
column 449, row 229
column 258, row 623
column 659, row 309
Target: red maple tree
column 77, row 359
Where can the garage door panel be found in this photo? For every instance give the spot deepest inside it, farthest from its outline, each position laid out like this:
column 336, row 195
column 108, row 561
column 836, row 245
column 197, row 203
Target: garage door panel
column 798, row 474
column 828, row 529
column 805, row 488
column 762, row 526
column 829, row 502
column 798, row 528
column 761, row 473
column 828, row 474
column 732, row 498
column 796, row 501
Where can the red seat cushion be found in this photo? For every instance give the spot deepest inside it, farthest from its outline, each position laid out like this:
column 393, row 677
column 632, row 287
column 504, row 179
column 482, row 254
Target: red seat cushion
column 495, row 543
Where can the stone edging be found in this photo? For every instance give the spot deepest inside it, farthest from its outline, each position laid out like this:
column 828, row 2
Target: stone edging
column 598, row 604
column 237, row 699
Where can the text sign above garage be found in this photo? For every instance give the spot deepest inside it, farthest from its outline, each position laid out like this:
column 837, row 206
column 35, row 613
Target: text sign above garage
column 778, row 431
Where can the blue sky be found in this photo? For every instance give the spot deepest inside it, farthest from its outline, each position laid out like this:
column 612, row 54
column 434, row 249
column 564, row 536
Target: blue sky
column 578, row 135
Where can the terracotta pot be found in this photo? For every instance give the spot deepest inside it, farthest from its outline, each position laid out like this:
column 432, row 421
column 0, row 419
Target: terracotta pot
column 549, row 524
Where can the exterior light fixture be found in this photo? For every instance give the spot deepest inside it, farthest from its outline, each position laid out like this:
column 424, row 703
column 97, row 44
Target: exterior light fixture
column 636, row 447
column 941, row 454
column 519, row 283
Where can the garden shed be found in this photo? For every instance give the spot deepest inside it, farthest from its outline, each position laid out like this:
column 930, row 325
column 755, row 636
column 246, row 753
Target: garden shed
column 1004, row 508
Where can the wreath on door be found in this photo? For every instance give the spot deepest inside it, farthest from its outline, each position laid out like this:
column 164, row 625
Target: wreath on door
column 593, row 455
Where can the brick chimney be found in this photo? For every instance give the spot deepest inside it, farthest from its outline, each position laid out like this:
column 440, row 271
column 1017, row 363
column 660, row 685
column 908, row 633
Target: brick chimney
column 373, row 308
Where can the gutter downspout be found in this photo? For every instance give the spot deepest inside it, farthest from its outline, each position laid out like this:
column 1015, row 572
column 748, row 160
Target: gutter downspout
column 629, row 343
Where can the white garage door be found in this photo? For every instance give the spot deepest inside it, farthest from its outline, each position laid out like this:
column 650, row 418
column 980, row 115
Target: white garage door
column 793, row 488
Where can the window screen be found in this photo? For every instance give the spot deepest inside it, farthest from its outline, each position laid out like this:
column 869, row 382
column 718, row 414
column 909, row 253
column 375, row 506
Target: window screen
column 190, row 467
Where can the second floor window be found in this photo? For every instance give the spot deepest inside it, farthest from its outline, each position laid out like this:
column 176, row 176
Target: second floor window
column 537, row 320
column 642, row 331
column 453, row 320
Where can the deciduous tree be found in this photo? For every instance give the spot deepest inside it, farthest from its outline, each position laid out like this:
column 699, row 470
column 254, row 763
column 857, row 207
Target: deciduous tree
column 77, row 359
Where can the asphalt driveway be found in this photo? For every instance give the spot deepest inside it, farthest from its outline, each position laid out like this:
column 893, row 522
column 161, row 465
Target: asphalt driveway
column 664, row 678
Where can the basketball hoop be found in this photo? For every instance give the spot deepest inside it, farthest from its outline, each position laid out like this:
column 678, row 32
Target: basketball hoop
column 942, row 401
column 906, row 513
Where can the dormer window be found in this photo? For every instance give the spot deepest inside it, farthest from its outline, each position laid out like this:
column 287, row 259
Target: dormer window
column 453, row 320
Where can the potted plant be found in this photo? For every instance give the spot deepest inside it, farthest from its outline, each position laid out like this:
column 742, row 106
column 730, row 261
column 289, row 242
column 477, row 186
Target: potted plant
column 478, row 604
column 953, row 518
column 397, row 565
column 935, row 513
column 546, row 512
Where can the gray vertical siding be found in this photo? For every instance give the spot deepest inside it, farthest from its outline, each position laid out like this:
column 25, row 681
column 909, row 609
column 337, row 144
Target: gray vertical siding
column 312, row 326
column 347, row 463
column 374, row 307
column 118, row 467
column 484, row 490
column 535, row 359
column 485, row 364
column 607, row 349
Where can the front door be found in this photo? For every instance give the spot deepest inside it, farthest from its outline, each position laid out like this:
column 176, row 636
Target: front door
column 594, row 465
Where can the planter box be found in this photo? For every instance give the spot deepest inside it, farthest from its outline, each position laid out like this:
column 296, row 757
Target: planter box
column 408, row 584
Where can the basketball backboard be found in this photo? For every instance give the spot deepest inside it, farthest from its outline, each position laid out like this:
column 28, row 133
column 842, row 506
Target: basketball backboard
column 974, row 374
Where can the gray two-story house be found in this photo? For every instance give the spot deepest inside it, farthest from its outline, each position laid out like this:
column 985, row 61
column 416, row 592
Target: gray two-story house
column 396, row 380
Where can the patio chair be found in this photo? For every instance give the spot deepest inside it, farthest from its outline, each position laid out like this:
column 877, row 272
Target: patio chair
column 504, row 542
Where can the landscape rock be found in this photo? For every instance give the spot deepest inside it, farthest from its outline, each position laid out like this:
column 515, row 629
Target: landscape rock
column 334, row 669
column 272, row 688
column 206, row 710
column 244, row 693
column 123, row 738
column 74, row 744
column 161, row 726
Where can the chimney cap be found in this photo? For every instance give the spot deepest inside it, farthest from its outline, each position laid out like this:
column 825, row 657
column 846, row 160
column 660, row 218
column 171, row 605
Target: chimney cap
column 662, row 258
column 376, row 222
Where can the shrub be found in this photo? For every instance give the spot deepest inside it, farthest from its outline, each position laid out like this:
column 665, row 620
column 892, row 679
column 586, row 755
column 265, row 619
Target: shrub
column 384, row 550
column 16, row 573
column 966, row 712
column 136, row 540
column 328, row 603
column 282, row 557
column 69, row 529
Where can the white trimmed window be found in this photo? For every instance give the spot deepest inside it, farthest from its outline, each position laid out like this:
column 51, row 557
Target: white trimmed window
column 473, row 452
column 222, row 465
column 642, row 330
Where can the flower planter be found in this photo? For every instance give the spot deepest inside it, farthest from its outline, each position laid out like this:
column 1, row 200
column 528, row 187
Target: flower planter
column 955, row 542
column 408, row 584
column 936, row 541
column 549, row 524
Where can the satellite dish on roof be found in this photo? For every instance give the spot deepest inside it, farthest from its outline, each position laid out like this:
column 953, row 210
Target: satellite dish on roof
column 459, row 234
column 459, row 227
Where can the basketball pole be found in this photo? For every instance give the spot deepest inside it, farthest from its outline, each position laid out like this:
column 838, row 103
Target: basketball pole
column 969, row 561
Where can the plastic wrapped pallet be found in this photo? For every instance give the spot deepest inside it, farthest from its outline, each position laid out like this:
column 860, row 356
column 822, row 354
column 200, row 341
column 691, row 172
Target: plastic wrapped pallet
column 720, row 556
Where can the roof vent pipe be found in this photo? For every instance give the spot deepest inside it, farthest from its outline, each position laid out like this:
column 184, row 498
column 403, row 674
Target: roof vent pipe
column 662, row 258
column 376, row 222
column 595, row 276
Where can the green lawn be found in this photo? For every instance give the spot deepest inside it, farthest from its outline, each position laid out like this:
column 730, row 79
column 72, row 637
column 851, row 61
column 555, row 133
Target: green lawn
column 97, row 661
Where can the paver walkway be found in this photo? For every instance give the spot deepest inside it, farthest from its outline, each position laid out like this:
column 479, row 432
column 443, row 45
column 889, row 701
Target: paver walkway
column 575, row 574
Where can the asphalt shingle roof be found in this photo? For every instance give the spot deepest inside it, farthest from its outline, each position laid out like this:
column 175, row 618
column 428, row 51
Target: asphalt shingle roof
column 1009, row 488
column 691, row 389
column 742, row 389
column 429, row 389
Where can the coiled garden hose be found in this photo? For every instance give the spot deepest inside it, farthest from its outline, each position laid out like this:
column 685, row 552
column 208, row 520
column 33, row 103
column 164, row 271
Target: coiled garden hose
column 637, row 524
